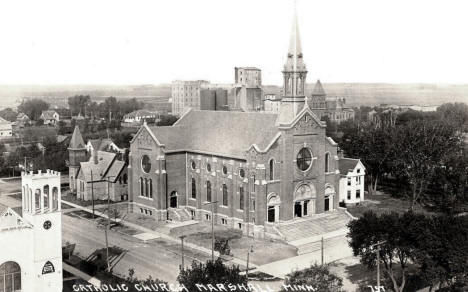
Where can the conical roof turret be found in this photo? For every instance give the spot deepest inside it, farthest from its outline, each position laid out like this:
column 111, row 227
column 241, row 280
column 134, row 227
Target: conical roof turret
column 77, row 141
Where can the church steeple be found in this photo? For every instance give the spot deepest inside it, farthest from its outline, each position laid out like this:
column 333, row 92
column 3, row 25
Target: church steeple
column 294, row 76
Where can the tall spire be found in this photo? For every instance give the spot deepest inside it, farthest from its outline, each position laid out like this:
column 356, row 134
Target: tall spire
column 294, row 74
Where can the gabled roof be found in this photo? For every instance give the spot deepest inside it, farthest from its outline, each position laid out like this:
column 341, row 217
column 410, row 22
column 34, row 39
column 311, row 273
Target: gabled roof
column 5, row 122
column 98, row 170
column 215, row 131
column 139, row 113
column 9, row 219
column 49, row 114
column 77, row 141
column 318, row 89
column 346, row 165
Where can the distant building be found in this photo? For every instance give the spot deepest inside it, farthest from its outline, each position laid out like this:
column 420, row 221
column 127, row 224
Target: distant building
column 248, row 89
column 186, row 95
column 352, row 173
column 271, row 103
column 22, row 120
column 50, row 117
column 139, row 116
column 77, row 153
column 6, row 128
column 214, row 99
column 102, row 145
column 31, row 257
column 335, row 109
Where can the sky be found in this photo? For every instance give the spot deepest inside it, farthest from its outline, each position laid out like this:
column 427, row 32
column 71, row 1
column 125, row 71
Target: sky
column 152, row 42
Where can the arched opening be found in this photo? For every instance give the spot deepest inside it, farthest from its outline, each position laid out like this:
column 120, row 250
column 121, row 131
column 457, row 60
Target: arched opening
column 142, row 187
column 194, row 189
column 147, row 188
column 304, row 200
column 46, row 196
column 173, row 199
column 55, row 198
column 225, row 195
column 272, row 169
column 329, row 196
column 327, row 162
column 125, row 178
column 37, row 199
column 273, row 204
column 241, row 198
column 208, row 191
column 10, row 277
column 150, row 182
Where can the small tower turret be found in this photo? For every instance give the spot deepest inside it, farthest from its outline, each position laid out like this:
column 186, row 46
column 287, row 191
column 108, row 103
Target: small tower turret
column 77, row 153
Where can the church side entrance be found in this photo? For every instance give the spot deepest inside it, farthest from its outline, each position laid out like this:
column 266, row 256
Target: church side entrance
column 273, row 204
column 304, row 200
column 329, row 195
column 173, row 200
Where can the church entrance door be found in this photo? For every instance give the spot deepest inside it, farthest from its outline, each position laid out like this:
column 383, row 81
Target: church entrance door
column 173, row 200
column 297, row 209
column 271, row 214
column 327, row 204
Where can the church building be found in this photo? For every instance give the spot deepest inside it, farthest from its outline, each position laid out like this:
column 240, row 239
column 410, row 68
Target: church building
column 31, row 256
column 255, row 169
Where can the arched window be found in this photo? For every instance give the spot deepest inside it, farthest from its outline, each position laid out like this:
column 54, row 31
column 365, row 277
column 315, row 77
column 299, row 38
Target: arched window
column 150, row 181
column 10, row 277
column 194, row 189
column 55, row 198
column 225, row 195
column 272, row 169
column 146, row 188
column 125, row 178
column 208, row 191
column 241, row 198
column 327, row 162
column 142, row 187
column 46, row 197
column 37, row 198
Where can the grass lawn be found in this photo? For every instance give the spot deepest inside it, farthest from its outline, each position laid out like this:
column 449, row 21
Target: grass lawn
column 383, row 203
column 264, row 250
column 72, row 199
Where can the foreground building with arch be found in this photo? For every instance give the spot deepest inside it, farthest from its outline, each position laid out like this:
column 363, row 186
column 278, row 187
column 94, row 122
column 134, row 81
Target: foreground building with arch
column 31, row 256
column 255, row 169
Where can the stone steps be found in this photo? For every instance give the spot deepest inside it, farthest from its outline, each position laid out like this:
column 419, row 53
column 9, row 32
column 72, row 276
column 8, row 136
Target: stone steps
column 314, row 225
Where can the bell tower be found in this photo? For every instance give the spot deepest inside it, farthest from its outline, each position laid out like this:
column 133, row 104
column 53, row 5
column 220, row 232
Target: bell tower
column 41, row 205
column 294, row 77
column 77, row 153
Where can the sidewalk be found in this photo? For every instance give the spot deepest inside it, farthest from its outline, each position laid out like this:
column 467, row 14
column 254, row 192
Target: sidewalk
column 160, row 235
column 72, row 270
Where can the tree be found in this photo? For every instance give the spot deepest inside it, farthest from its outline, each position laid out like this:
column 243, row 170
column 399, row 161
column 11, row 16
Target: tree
column 373, row 145
column 442, row 252
column 398, row 234
column 167, row 120
column 79, row 104
column 456, row 113
column 8, row 114
column 33, row 107
column 210, row 273
column 318, row 277
column 419, row 148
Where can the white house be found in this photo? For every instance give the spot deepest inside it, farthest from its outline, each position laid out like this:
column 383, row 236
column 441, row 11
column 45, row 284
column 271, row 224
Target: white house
column 31, row 256
column 50, row 117
column 352, row 173
column 6, row 129
column 102, row 145
column 139, row 116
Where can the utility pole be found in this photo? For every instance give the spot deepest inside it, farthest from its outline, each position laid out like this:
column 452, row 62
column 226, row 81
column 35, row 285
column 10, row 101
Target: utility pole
column 182, row 241
column 247, row 265
column 322, row 250
column 378, row 261
column 108, row 223
column 212, row 228
column 92, row 192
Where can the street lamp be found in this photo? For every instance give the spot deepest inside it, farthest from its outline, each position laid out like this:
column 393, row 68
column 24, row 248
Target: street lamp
column 212, row 228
